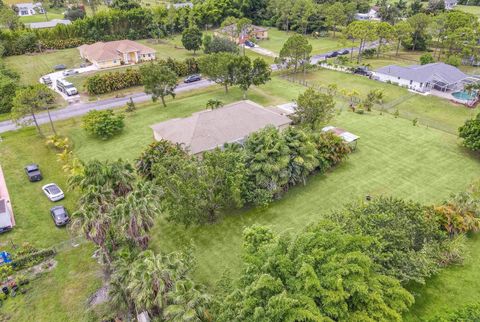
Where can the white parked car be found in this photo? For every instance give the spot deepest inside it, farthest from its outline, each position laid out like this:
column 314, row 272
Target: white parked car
column 53, row 192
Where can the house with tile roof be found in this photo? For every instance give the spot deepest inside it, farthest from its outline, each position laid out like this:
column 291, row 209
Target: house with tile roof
column 116, row 53
column 207, row 130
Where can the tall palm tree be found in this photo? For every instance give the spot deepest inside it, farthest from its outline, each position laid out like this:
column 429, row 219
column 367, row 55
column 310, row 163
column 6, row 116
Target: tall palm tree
column 152, row 277
column 187, row 303
column 135, row 213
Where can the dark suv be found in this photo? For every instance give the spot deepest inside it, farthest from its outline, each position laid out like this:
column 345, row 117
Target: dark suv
column 33, row 172
column 59, row 215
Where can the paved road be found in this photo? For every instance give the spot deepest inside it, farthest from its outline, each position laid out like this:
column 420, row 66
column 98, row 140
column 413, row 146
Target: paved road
column 78, row 109
column 316, row 58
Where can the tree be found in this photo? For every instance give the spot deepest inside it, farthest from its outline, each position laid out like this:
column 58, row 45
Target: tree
column 74, row 13
column 385, row 32
column 296, row 51
column 374, row 96
column 8, row 86
column 303, row 155
column 187, row 302
column 267, row 159
column 418, row 39
column 402, row 31
column 135, row 213
column 192, row 38
column 363, row 31
column 9, row 18
column 426, row 59
column 218, row 44
column 470, row 133
column 435, row 6
column 160, row 152
column 247, row 73
column 314, row 109
column 158, row 80
column 30, row 100
column 409, row 244
column 125, row 4
column 218, row 67
column 335, row 16
column 103, row 124
column 300, row 278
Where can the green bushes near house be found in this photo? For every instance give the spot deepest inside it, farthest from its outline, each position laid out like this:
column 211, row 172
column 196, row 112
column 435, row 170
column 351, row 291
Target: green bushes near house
column 114, row 81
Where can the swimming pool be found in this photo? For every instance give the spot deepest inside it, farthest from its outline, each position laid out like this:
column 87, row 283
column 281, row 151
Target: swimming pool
column 464, row 96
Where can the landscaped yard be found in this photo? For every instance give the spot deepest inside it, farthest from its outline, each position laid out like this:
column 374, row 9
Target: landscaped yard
column 276, row 39
column 429, row 110
column 51, row 14
column 393, row 157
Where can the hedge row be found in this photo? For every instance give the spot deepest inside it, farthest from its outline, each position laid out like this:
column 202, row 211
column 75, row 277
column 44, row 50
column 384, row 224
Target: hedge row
column 61, row 43
column 32, row 259
column 114, row 81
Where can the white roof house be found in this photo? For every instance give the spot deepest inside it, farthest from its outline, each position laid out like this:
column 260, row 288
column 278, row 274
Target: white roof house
column 372, row 14
column 49, row 24
column 29, row 9
column 423, row 78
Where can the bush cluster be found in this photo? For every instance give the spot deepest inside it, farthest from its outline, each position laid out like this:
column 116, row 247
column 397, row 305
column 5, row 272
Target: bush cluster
column 103, row 124
column 60, row 43
column 256, row 172
column 32, row 259
column 113, row 81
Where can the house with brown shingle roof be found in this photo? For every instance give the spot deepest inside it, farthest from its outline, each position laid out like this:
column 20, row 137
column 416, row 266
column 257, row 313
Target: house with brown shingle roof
column 207, row 130
column 116, row 53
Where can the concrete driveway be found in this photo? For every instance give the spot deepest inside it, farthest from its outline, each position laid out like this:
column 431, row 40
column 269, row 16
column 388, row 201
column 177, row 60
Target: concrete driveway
column 59, row 75
column 262, row 51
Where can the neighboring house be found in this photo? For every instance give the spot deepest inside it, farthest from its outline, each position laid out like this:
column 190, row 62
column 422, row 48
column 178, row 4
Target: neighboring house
column 207, row 130
column 116, row 53
column 372, row 14
column 29, row 9
column 253, row 32
column 49, row 24
column 450, row 4
column 423, row 78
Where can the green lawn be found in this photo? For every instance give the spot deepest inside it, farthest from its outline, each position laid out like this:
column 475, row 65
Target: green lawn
column 51, row 14
column 429, row 110
column 276, row 39
column 31, row 67
column 393, row 157
column 475, row 10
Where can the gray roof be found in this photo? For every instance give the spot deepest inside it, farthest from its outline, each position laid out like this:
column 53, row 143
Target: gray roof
column 425, row 73
column 49, row 24
column 209, row 129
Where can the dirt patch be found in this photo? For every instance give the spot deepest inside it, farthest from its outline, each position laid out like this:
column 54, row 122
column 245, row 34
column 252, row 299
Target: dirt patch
column 99, row 297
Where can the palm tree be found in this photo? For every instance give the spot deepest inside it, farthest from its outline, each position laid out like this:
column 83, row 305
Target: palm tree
column 95, row 225
column 152, row 277
column 187, row 303
column 135, row 213
column 117, row 175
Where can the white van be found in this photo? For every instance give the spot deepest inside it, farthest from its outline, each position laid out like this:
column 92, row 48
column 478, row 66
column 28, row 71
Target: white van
column 66, row 87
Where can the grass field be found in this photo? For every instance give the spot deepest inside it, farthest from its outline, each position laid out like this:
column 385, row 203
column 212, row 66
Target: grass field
column 393, row 157
column 429, row 110
column 51, row 14
column 276, row 39
column 475, row 10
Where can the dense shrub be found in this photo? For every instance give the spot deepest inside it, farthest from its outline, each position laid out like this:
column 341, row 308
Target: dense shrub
column 8, row 86
column 470, row 312
column 32, row 259
column 60, row 43
column 218, row 44
column 113, row 81
column 470, row 133
column 103, row 124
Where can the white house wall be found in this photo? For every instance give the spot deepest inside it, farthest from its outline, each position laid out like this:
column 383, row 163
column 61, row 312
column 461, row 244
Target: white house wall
column 400, row 82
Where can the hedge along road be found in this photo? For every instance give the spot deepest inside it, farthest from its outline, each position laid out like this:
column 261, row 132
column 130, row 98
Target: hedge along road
column 78, row 109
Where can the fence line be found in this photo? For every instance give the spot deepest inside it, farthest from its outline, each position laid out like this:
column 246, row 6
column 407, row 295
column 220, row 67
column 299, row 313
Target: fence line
column 384, row 108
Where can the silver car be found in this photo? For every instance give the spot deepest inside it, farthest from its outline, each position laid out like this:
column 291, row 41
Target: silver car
column 53, row 192
column 70, row 72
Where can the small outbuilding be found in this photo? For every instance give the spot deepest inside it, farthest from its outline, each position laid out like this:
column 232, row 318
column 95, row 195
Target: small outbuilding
column 349, row 138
